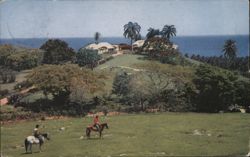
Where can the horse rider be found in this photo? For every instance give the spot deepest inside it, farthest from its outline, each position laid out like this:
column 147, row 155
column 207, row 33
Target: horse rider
column 36, row 132
column 96, row 122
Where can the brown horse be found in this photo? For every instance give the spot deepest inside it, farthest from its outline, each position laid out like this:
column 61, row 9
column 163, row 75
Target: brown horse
column 92, row 128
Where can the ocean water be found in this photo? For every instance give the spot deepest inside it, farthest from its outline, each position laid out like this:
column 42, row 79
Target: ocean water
column 202, row 45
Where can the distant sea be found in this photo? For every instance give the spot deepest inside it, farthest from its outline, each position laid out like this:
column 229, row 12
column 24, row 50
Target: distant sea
column 202, row 45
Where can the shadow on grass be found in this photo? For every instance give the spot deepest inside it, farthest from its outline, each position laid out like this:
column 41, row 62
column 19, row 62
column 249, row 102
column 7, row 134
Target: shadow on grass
column 30, row 153
column 94, row 138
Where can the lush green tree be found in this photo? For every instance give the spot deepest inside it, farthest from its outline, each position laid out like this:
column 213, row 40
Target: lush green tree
column 87, row 57
column 157, row 47
column 180, row 98
column 61, row 80
column 216, row 89
column 57, row 51
column 97, row 37
column 120, row 84
column 230, row 49
column 131, row 31
column 168, row 31
column 242, row 93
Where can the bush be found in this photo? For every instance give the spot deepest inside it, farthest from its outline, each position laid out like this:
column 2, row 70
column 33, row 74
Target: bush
column 14, row 99
column 88, row 58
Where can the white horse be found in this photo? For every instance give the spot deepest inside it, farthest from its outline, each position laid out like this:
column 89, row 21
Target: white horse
column 33, row 140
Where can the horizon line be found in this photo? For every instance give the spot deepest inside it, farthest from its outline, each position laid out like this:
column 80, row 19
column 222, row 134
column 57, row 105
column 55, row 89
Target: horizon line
column 124, row 37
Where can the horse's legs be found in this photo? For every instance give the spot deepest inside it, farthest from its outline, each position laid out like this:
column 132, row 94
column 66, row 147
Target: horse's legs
column 30, row 148
column 26, row 145
column 88, row 133
column 100, row 134
column 40, row 147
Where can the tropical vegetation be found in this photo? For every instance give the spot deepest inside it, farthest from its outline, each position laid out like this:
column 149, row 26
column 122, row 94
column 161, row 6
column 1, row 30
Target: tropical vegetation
column 158, row 77
column 88, row 58
column 132, row 31
column 230, row 49
column 57, row 51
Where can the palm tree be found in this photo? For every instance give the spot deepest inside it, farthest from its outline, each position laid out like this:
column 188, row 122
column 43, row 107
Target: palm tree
column 168, row 31
column 97, row 37
column 230, row 49
column 132, row 31
column 152, row 32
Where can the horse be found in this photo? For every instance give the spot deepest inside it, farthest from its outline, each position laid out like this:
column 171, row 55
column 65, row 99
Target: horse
column 33, row 140
column 92, row 128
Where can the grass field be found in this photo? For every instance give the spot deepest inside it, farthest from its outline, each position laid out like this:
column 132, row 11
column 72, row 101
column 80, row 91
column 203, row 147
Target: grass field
column 166, row 134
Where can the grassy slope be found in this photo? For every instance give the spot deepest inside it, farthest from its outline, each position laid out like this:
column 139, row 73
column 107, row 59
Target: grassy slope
column 160, row 134
column 128, row 62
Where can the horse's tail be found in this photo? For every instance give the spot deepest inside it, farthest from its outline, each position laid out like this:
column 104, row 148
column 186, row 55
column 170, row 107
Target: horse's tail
column 26, row 143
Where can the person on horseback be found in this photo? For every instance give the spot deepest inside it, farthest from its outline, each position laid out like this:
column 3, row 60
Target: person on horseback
column 36, row 132
column 96, row 122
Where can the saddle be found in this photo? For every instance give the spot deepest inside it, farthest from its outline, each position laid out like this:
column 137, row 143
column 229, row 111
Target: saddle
column 33, row 140
column 93, row 127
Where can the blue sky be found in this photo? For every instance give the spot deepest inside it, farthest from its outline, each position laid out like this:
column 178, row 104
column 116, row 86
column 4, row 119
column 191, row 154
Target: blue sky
column 82, row 18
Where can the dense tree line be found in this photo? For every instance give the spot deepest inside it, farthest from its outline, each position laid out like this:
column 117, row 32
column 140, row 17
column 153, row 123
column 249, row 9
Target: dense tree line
column 240, row 64
column 219, row 89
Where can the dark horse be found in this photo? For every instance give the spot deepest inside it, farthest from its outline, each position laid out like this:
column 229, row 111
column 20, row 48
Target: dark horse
column 92, row 128
column 33, row 140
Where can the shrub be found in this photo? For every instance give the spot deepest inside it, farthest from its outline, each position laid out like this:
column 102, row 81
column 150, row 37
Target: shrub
column 14, row 99
column 88, row 58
